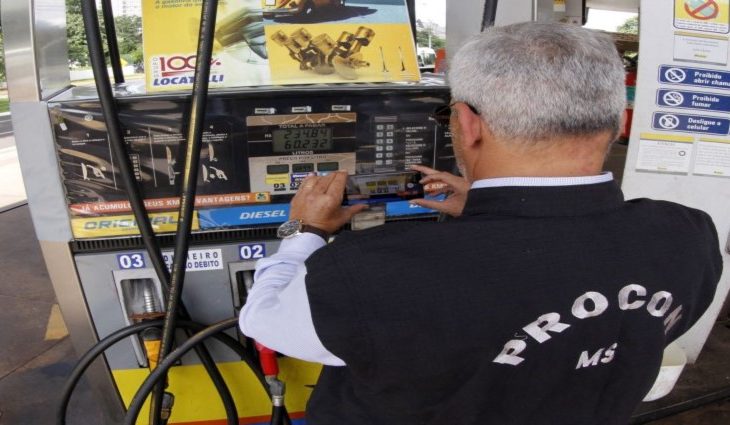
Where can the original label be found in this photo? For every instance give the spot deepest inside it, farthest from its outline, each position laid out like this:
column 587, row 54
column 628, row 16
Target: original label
column 125, row 225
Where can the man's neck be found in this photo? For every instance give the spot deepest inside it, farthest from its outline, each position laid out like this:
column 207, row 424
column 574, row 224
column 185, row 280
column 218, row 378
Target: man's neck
column 563, row 159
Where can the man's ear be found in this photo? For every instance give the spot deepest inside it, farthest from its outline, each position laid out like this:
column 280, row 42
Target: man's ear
column 470, row 125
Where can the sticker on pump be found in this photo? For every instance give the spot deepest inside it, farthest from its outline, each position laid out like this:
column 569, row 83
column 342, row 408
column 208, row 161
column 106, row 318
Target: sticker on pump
column 243, row 216
column 401, row 208
column 198, row 259
column 251, row 251
column 699, row 77
column 125, row 225
column 711, row 16
column 131, row 260
column 296, row 179
column 693, row 100
column 277, row 179
column 690, row 123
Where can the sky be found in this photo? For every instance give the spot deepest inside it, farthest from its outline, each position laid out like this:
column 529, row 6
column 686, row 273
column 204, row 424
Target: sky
column 435, row 11
column 607, row 20
column 432, row 10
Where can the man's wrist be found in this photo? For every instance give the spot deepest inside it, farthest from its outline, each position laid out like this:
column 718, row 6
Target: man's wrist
column 306, row 228
column 301, row 246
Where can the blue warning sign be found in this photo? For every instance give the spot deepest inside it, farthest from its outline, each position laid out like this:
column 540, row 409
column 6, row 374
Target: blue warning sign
column 699, row 77
column 690, row 123
column 400, row 208
column 693, row 100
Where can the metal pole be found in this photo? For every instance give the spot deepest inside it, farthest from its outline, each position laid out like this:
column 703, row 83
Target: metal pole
column 412, row 14
column 490, row 14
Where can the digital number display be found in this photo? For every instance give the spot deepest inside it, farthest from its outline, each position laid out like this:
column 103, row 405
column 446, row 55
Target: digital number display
column 302, row 139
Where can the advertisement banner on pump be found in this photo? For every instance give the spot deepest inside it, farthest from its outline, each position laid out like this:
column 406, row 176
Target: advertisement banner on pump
column 263, row 42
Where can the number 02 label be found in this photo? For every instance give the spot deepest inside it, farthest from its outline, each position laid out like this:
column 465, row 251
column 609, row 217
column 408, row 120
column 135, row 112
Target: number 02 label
column 251, row 251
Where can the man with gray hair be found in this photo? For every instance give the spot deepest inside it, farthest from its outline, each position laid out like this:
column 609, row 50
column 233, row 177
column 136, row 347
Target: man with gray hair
column 548, row 299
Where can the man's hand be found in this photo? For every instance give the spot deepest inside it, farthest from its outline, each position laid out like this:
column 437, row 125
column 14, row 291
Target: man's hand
column 442, row 182
column 318, row 202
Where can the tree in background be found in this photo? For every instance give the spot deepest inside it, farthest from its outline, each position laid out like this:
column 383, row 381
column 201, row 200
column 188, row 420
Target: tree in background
column 2, row 57
column 426, row 31
column 631, row 26
column 129, row 36
column 78, row 55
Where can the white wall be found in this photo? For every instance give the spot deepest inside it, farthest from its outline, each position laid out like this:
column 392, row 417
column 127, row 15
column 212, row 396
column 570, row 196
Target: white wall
column 711, row 194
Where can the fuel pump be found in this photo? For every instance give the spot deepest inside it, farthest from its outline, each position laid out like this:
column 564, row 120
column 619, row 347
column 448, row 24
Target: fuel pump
column 157, row 345
column 105, row 170
column 113, row 163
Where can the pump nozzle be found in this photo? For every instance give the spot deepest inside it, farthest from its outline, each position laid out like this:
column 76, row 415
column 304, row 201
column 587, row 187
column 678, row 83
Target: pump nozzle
column 267, row 358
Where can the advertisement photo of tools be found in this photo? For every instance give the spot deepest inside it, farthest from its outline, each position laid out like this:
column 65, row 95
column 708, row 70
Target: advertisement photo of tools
column 262, row 42
column 340, row 11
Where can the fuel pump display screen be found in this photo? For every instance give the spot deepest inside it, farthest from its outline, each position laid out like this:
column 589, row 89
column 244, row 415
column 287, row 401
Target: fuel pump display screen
column 258, row 146
column 297, row 139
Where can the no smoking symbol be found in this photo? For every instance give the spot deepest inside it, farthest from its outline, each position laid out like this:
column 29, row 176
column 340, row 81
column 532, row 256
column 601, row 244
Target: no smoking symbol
column 702, row 9
column 673, row 98
column 675, row 75
column 669, row 122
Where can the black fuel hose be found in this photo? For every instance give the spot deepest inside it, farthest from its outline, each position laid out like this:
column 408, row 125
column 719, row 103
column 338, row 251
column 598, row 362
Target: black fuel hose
column 111, row 118
column 278, row 415
column 114, row 130
column 104, row 344
column 194, row 139
column 111, row 41
column 158, row 374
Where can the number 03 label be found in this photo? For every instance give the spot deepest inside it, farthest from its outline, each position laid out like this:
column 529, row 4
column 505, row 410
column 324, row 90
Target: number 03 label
column 132, row 260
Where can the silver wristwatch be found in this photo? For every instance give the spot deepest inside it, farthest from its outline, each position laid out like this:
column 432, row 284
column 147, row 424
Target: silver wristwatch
column 296, row 226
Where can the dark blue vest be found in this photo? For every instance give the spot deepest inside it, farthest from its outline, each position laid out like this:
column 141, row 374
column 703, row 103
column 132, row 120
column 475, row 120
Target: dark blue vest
column 540, row 305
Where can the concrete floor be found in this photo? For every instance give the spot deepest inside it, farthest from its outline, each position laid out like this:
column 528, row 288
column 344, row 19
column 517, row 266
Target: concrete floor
column 37, row 355
column 710, row 374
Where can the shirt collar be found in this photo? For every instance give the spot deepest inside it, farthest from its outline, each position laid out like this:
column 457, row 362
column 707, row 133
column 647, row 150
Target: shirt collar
column 580, row 196
column 542, row 181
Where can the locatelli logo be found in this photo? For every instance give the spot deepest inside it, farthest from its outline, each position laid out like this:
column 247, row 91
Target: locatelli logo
column 176, row 70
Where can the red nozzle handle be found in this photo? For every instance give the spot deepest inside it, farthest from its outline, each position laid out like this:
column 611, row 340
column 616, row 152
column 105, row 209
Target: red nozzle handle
column 267, row 358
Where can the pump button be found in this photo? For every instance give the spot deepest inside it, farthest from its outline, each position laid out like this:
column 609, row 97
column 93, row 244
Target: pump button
column 328, row 166
column 302, row 168
column 277, row 169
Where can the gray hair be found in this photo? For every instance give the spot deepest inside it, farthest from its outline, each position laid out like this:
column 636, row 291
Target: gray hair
column 536, row 81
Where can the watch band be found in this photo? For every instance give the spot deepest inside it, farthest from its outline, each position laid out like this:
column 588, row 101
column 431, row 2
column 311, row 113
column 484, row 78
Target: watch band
column 316, row 230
